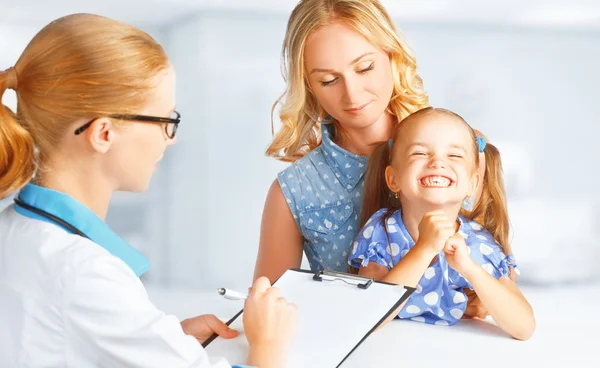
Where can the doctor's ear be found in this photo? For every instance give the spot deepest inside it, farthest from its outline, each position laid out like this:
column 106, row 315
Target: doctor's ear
column 100, row 135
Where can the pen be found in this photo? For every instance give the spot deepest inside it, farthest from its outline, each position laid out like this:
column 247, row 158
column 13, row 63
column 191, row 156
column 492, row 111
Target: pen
column 231, row 294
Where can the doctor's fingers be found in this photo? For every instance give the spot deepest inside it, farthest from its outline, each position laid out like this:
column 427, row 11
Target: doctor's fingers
column 219, row 327
column 261, row 285
column 273, row 293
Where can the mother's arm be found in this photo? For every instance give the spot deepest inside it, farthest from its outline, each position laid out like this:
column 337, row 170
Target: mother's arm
column 281, row 242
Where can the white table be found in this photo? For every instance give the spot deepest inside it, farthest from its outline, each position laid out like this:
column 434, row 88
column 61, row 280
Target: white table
column 568, row 328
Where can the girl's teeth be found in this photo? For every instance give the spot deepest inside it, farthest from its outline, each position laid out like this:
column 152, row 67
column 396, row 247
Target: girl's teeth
column 435, row 181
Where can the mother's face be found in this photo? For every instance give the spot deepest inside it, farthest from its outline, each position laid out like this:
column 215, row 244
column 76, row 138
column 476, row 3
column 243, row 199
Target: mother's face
column 350, row 77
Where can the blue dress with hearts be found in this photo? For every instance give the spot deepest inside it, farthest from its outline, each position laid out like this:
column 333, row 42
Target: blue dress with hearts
column 324, row 191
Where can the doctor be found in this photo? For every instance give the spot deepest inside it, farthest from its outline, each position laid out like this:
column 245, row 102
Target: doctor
column 96, row 111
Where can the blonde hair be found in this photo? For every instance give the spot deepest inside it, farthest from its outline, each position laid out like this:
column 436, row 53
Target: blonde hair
column 78, row 66
column 491, row 209
column 300, row 110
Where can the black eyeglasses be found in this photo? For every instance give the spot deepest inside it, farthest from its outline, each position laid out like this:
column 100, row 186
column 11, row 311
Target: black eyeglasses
column 171, row 123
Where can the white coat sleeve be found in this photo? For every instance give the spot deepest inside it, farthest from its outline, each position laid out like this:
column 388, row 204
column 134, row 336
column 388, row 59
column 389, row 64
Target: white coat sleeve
column 108, row 311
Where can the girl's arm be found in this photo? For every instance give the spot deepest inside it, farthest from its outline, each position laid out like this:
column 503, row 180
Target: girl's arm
column 407, row 272
column 501, row 297
column 504, row 301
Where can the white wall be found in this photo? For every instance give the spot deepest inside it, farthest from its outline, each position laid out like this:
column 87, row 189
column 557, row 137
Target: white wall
column 14, row 40
column 228, row 78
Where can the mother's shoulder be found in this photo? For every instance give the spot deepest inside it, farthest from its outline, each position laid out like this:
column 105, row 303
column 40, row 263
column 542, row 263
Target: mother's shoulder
column 314, row 161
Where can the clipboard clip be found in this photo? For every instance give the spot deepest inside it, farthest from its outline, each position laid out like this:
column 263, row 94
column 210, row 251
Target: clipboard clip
column 361, row 282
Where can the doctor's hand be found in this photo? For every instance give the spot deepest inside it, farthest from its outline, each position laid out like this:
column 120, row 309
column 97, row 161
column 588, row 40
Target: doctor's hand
column 269, row 324
column 202, row 327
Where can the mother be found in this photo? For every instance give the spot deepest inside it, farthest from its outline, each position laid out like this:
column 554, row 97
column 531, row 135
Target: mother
column 350, row 78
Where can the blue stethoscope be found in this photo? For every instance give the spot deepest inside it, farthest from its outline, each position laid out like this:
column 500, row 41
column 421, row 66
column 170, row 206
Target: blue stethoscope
column 50, row 217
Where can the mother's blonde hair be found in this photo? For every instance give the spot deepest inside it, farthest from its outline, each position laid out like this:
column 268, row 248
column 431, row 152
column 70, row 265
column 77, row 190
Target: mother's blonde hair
column 300, row 111
column 78, row 66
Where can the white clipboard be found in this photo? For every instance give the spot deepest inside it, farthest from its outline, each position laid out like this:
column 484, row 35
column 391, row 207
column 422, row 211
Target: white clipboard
column 336, row 313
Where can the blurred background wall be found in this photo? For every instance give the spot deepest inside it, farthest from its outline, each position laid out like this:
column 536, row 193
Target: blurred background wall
column 523, row 72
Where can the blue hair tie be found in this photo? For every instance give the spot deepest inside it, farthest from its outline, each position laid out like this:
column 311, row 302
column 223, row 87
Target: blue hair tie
column 481, row 143
column 390, row 143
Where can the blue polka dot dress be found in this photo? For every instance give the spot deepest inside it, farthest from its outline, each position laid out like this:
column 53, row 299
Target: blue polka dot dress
column 439, row 297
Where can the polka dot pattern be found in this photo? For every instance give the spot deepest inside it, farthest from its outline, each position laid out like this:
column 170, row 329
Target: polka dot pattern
column 439, row 296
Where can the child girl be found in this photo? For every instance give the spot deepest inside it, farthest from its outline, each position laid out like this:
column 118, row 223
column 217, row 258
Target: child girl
column 415, row 186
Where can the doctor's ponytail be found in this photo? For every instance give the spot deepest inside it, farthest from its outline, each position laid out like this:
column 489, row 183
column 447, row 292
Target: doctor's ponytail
column 16, row 144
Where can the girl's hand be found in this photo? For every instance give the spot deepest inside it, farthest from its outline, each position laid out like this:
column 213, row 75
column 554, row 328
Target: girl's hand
column 475, row 308
column 457, row 254
column 434, row 230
